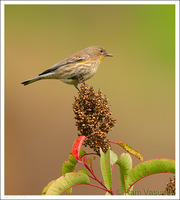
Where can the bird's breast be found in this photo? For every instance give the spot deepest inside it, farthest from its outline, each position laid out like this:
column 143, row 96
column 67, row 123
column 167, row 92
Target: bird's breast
column 90, row 69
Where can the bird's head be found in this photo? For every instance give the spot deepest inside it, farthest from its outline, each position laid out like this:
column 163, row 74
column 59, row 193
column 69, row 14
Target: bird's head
column 99, row 51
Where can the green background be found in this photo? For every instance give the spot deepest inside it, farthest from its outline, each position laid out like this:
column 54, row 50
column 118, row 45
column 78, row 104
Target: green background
column 139, row 82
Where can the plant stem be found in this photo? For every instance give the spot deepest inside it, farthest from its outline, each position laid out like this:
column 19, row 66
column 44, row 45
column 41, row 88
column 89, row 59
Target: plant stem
column 92, row 177
column 87, row 154
column 113, row 142
column 99, row 187
column 95, row 178
column 92, row 172
column 112, row 190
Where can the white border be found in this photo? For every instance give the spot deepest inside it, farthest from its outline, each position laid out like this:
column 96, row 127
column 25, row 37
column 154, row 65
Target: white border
column 176, row 3
column 2, row 101
column 90, row 2
column 177, row 95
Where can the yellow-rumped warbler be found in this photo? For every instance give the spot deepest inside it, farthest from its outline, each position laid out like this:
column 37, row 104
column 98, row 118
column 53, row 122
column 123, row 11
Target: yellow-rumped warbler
column 80, row 65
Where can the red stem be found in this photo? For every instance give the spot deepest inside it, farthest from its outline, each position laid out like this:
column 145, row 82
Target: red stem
column 92, row 172
column 91, row 177
column 95, row 178
column 99, row 187
column 113, row 142
column 87, row 154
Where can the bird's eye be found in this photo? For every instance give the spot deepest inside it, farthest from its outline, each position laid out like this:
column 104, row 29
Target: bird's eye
column 101, row 51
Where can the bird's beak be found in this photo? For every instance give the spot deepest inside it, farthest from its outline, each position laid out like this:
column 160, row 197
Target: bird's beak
column 109, row 54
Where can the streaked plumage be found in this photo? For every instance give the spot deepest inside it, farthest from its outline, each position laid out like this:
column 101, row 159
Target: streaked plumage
column 81, row 64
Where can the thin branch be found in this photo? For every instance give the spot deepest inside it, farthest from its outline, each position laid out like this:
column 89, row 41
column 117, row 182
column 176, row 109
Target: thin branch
column 113, row 142
column 87, row 154
column 91, row 177
column 99, row 187
column 92, row 172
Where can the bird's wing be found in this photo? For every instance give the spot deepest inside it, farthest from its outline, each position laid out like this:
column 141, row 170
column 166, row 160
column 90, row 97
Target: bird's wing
column 65, row 62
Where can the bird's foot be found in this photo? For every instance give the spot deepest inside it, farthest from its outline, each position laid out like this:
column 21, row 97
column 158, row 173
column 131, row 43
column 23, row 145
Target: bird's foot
column 80, row 78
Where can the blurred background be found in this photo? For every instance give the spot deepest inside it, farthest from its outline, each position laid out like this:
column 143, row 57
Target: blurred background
column 139, row 82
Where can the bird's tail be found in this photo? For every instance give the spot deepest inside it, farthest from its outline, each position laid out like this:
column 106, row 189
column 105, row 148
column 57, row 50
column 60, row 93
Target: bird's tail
column 31, row 80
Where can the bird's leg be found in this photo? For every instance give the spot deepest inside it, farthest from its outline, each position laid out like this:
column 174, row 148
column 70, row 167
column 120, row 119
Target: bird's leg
column 80, row 80
column 76, row 86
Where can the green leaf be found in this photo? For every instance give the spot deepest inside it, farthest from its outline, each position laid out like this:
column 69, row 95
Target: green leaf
column 63, row 183
column 46, row 187
column 107, row 193
column 70, row 164
column 113, row 157
column 130, row 150
column 83, row 171
column 106, row 168
column 149, row 168
column 69, row 191
column 125, row 165
column 94, row 157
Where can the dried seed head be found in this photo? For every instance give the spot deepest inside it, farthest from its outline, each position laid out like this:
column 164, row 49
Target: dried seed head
column 170, row 188
column 93, row 117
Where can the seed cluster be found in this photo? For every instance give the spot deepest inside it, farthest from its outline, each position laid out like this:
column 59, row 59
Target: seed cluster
column 93, row 118
column 170, row 188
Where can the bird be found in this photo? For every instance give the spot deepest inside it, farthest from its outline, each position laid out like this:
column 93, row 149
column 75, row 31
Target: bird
column 76, row 68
